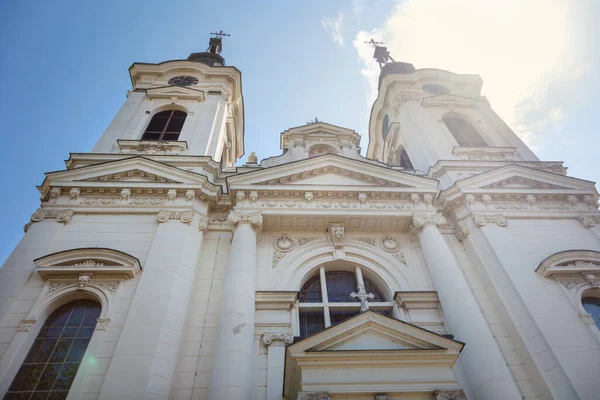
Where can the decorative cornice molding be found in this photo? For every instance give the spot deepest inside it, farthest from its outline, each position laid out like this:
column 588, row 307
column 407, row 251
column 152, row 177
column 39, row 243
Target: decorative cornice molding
column 62, row 216
column 421, row 220
column 253, row 218
column 277, row 338
column 481, row 220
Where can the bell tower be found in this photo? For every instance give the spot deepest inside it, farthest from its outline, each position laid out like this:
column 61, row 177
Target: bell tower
column 181, row 107
column 424, row 117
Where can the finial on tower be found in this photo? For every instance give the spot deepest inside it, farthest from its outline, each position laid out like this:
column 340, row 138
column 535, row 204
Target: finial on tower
column 381, row 54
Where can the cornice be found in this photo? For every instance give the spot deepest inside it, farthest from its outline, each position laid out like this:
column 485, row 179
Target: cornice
column 482, row 166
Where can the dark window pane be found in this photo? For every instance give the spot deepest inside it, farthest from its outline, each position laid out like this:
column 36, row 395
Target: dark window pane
column 371, row 288
column 27, row 377
column 58, row 395
column 170, row 136
column 339, row 316
column 48, row 377
column 40, row 350
column 157, row 124
column 339, row 286
column 66, row 376
column 77, row 350
column 151, row 136
column 61, row 350
column 464, row 132
column 85, row 332
column 311, row 322
column 76, row 316
column 405, row 161
column 179, row 114
column 91, row 316
column 44, row 367
column 175, row 125
column 385, row 127
column 311, row 291
column 40, row 396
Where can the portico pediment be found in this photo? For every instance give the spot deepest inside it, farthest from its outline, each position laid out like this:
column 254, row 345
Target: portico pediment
column 178, row 92
column 134, row 172
column 448, row 100
column 330, row 172
column 397, row 350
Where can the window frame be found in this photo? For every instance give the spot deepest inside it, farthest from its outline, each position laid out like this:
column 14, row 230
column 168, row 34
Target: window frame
column 327, row 306
column 462, row 137
column 164, row 131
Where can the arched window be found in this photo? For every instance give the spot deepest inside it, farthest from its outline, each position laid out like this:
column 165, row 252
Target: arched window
column 385, row 127
column 326, row 299
column 464, row 132
column 165, row 125
column 53, row 360
column 321, row 149
column 399, row 158
column 592, row 306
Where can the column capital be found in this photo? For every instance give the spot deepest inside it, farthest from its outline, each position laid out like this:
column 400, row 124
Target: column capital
column 253, row 218
column 313, row 396
column 277, row 338
column 456, row 394
column 420, row 220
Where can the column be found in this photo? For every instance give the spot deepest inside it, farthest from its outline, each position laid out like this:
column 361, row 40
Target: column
column 232, row 365
column 275, row 342
column 144, row 359
column 485, row 367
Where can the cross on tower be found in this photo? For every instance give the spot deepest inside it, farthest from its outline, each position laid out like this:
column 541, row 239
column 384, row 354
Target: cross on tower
column 362, row 295
column 220, row 34
column 373, row 42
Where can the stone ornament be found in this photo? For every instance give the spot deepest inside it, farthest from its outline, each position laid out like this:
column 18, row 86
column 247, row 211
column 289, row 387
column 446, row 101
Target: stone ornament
column 83, row 281
column 102, row 324
column 420, row 220
column 284, row 243
column 389, row 244
column 313, row 396
column 590, row 279
column 202, row 222
column 379, row 396
column 462, row 230
column 87, row 264
column 255, row 218
column 110, row 287
column 450, row 395
column 269, row 338
column 588, row 221
column 62, row 216
column 363, row 296
column 252, row 158
column 336, row 233
column 25, row 325
column 184, row 216
column 482, row 220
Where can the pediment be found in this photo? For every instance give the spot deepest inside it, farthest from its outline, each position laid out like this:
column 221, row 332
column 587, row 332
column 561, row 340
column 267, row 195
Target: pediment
column 180, row 92
column 518, row 178
column 333, row 172
column 371, row 332
column 134, row 170
column 448, row 100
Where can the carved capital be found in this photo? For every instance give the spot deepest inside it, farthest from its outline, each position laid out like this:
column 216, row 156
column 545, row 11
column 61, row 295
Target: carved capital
column 202, row 222
column 450, row 395
column 482, row 220
column 255, row 218
column 313, row 396
column 462, row 230
column 278, row 338
column 25, row 325
column 420, row 220
column 184, row 216
column 587, row 221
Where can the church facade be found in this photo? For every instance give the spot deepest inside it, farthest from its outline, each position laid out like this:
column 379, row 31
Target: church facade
column 450, row 263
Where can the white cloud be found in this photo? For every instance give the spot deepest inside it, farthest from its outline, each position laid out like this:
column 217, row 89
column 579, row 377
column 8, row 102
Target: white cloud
column 517, row 46
column 333, row 26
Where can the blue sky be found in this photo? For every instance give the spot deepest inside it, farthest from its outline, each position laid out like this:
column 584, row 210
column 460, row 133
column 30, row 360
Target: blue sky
column 63, row 70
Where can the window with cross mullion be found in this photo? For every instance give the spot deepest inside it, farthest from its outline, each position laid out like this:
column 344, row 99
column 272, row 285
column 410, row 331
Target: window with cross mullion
column 165, row 125
column 334, row 296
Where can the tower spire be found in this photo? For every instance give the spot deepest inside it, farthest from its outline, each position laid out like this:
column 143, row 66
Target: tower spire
column 381, row 53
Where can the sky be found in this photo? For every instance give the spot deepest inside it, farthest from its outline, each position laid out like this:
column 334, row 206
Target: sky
column 64, row 70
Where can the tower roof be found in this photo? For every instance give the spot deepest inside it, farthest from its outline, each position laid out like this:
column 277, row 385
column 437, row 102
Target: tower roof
column 212, row 55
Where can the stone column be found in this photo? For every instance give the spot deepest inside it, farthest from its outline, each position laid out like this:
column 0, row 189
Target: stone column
column 275, row 342
column 485, row 367
column 232, row 366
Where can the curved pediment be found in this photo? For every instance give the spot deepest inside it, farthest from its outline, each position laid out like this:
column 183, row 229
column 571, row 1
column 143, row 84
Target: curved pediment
column 95, row 261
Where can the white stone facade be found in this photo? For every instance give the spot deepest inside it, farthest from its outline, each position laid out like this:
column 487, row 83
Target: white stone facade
column 480, row 255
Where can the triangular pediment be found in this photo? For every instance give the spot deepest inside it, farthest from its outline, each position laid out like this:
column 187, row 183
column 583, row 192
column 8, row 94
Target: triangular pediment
column 448, row 99
column 180, row 92
column 370, row 331
column 518, row 178
column 330, row 172
column 134, row 171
